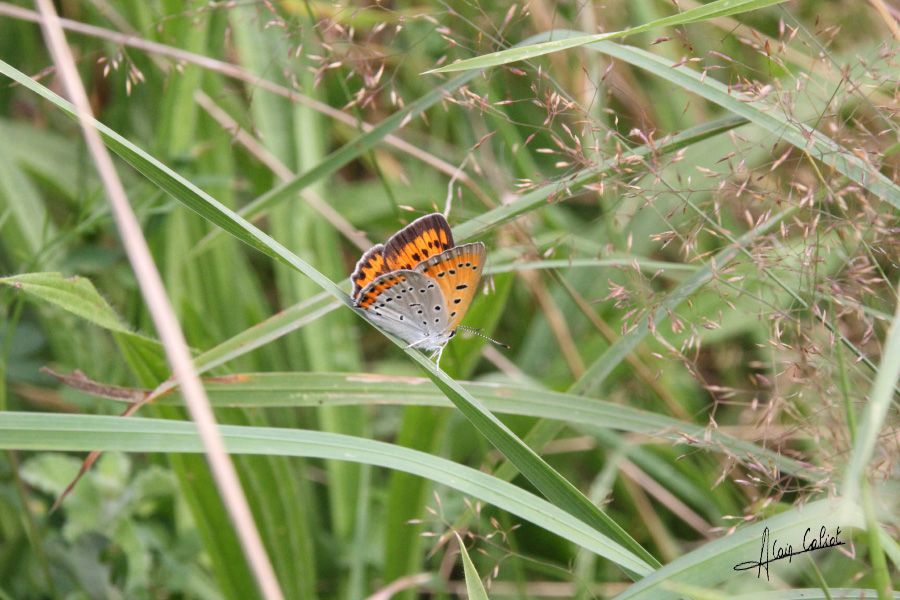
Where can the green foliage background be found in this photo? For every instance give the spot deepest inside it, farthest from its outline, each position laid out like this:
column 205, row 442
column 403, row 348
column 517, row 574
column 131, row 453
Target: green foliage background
column 693, row 255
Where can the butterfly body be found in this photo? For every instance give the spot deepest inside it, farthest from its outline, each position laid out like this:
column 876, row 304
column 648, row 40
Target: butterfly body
column 419, row 285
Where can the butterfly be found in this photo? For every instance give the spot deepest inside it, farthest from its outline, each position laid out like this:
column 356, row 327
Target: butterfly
column 419, row 285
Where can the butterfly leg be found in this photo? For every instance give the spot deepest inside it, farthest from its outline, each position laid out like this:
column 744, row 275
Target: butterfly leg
column 436, row 356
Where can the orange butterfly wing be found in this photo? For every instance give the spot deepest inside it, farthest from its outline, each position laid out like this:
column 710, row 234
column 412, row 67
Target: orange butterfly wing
column 457, row 272
column 424, row 238
column 426, row 245
column 368, row 269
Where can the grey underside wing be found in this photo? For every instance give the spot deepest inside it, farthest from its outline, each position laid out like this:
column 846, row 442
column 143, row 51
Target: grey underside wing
column 410, row 305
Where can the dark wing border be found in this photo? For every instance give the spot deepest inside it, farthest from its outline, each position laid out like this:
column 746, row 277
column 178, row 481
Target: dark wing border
column 364, row 262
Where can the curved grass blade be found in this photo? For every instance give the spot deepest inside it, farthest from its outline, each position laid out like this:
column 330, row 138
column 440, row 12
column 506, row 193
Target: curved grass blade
column 806, row 139
column 545, row 478
column 295, row 390
column 178, row 187
column 571, row 263
column 551, row 484
column 876, row 409
column 537, row 198
column 264, row 332
column 30, row 431
column 719, row 8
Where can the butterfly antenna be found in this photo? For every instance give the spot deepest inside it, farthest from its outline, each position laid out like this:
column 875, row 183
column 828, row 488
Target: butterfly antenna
column 480, row 334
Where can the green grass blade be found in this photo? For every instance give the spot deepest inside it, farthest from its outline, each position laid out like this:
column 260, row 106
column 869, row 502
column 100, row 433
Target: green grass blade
column 267, row 331
column 474, row 586
column 806, row 139
column 181, row 189
column 298, row 390
column 538, row 198
column 650, row 266
column 29, row 431
column 421, row 428
column 551, row 484
column 875, row 410
column 719, row 8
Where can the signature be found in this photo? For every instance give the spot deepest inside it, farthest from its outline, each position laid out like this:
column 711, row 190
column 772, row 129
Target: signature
column 771, row 552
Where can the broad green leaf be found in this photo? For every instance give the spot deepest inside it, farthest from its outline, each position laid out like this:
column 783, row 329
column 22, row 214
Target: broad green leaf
column 718, row 8
column 76, row 295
